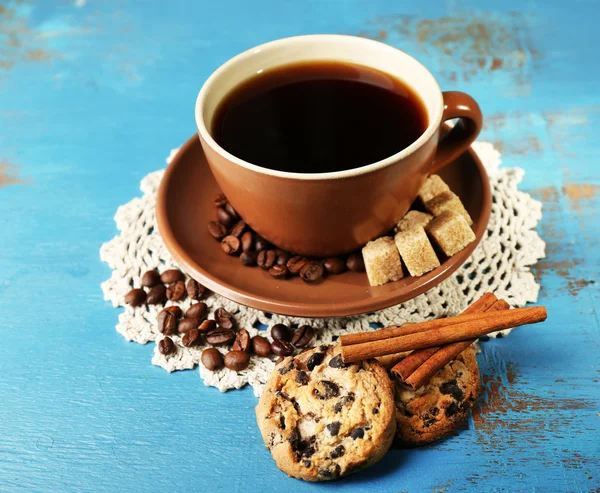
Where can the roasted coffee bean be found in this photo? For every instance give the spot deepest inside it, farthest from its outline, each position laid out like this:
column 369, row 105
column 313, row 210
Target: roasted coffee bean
column 302, row 378
column 191, row 338
column 242, row 341
column 207, row 326
column 231, row 245
column 282, row 348
column 239, row 229
column 220, row 200
column 326, row 389
column 172, row 275
column 175, row 310
column 337, row 452
column 197, row 310
column 315, row 360
column 281, row 332
column 220, row 336
column 135, row 297
column 167, row 322
column 150, row 278
column 266, row 259
column 247, row 241
column 279, row 271
column 212, row 359
column 355, row 262
column 187, row 324
column 312, row 272
column 225, row 218
column 261, row 346
column 157, row 295
column 217, row 230
column 282, row 257
column 303, row 335
column 224, row 319
column 334, row 428
column 176, row 291
column 261, row 244
column 231, row 211
column 357, row 433
column 334, row 265
column 166, row 346
column 237, row 360
column 194, row 289
column 295, row 264
column 337, row 362
column 249, row 258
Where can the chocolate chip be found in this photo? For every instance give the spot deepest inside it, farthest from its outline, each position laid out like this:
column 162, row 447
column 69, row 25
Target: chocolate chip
column 295, row 264
column 172, row 275
column 303, row 335
column 191, row 338
column 302, row 378
column 428, row 420
column 312, row 272
column 231, row 245
column 452, row 409
column 339, row 405
column 282, row 422
column 261, row 346
column 287, row 368
column 337, row 452
column 237, row 360
column 167, row 322
column 315, row 360
column 242, row 341
column 279, row 271
column 194, row 289
column 157, row 295
column 357, row 433
column 334, row 265
column 323, row 347
column 212, row 359
column 302, row 448
column 207, row 326
column 355, row 262
column 281, row 332
column 150, row 278
column 334, row 428
column 217, row 230
column 176, row 291
column 261, row 244
column 224, row 319
column 331, row 473
column 220, row 336
column 220, row 200
column 337, row 362
column 239, row 229
column 197, row 310
column 166, row 346
column 326, row 390
column 451, row 388
column 266, row 259
column 135, row 297
column 306, row 463
column 249, row 258
column 247, row 241
column 282, row 348
column 375, row 410
column 225, row 218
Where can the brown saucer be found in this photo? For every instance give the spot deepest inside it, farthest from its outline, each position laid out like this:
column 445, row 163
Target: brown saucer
column 185, row 205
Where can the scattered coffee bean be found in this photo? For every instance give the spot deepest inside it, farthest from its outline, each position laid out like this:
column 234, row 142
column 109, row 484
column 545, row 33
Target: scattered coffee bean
column 337, row 452
column 207, row 326
column 357, row 433
column 315, row 360
column 237, row 360
column 281, row 332
column 194, row 289
column 175, row 310
column 197, row 310
column 247, row 241
column 187, row 324
column 191, row 338
column 355, row 262
column 157, row 295
column 239, row 229
column 261, row 346
column 224, row 319
column 282, row 257
column 176, row 291
column 135, row 297
column 212, row 359
column 295, row 264
column 220, row 200
column 166, row 346
column 231, row 245
column 167, row 322
column 326, row 389
column 225, row 218
column 220, row 336
column 261, row 244
column 282, row 348
column 249, row 258
column 312, row 272
column 303, row 335
column 231, row 211
column 242, row 341
column 266, row 259
column 217, row 230
column 279, row 271
column 171, row 276
column 150, row 278
column 334, row 265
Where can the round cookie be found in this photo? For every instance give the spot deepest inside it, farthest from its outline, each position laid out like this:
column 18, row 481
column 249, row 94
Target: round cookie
column 322, row 419
column 436, row 409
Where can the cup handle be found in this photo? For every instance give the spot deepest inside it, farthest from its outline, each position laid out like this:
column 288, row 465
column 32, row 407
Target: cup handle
column 459, row 138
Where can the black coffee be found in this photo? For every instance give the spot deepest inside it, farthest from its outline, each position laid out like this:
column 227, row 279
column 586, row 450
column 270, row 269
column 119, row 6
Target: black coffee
column 319, row 117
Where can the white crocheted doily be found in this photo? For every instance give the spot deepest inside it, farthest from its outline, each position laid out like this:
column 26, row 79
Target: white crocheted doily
column 500, row 264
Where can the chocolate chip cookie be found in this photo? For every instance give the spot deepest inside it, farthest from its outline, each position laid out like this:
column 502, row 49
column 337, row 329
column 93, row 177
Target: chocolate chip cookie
column 322, row 419
column 436, row 409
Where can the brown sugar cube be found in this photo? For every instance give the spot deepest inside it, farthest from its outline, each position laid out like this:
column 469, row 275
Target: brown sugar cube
column 382, row 261
column 413, row 219
column 433, row 186
column 447, row 201
column 416, row 251
column 451, row 232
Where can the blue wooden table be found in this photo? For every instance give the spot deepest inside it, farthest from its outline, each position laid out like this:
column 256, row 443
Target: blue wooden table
column 94, row 93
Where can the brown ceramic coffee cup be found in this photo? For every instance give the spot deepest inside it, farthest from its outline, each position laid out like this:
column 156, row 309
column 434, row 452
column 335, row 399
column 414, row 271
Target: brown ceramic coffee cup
column 332, row 213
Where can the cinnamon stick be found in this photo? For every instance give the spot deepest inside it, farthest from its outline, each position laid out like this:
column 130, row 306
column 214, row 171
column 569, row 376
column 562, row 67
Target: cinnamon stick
column 482, row 304
column 454, row 329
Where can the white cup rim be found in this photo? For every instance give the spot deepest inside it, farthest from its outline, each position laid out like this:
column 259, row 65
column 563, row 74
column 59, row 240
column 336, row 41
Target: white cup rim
column 434, row 120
